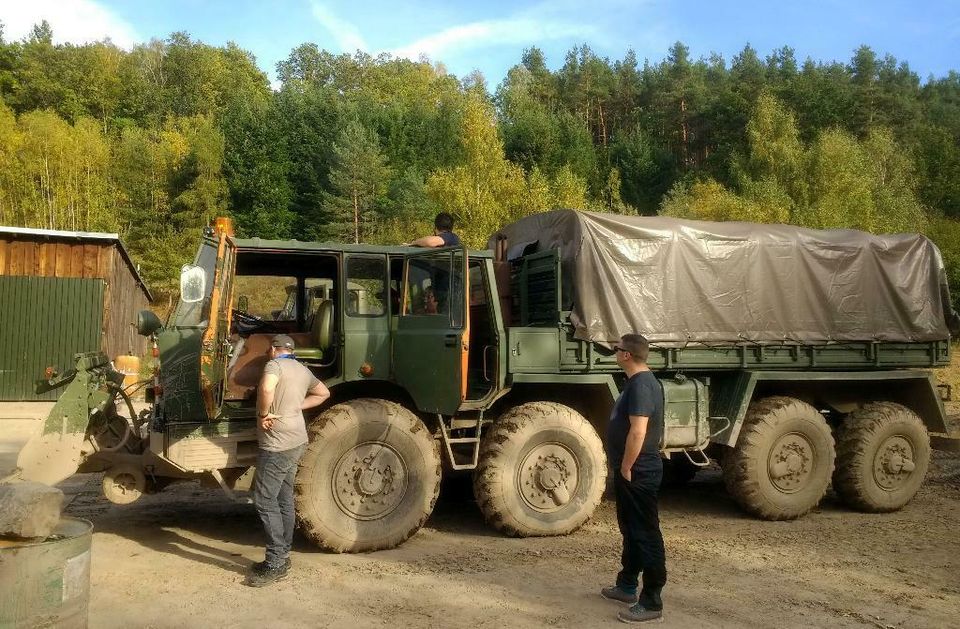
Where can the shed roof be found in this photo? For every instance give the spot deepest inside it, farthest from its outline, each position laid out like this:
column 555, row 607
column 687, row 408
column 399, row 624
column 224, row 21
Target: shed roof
column 104, row 237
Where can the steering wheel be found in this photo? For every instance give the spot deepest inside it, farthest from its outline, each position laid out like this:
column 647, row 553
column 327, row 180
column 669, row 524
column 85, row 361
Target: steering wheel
column 247, row 322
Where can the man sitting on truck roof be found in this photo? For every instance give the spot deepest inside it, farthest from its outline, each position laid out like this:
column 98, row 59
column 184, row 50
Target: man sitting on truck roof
column 443, row 235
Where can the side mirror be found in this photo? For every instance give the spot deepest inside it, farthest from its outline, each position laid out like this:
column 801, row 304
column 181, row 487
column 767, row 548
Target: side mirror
column 147, row 323
column 243, row 303
column 193, row 283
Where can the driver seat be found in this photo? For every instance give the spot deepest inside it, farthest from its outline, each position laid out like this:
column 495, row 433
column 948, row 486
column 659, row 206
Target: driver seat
column 313, row 345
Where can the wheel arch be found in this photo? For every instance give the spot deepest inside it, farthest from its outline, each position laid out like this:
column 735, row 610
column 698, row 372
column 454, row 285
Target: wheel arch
column 592, row 396
column 842, row 392
column 379, row 389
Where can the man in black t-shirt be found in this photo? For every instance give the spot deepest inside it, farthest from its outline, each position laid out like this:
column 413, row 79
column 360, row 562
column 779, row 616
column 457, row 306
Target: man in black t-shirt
column 633, row 449
column 443, row 235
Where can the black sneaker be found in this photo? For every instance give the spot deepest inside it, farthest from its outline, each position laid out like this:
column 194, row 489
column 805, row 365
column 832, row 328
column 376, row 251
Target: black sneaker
column 268, row 576
column 617, row 593
column 638, row 613
column 261, row 566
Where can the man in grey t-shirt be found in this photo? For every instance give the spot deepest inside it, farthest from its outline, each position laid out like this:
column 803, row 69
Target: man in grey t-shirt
column 286, row 389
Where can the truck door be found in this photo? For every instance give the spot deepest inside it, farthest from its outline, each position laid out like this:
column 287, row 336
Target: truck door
column 430, row 347
column 215, row 347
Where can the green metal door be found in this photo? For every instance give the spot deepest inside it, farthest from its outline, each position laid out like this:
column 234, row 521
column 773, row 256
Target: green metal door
column 430, row 344
column 44, row 321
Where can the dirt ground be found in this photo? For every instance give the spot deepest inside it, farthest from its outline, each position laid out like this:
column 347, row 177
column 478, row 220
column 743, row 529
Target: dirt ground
column 177, row 559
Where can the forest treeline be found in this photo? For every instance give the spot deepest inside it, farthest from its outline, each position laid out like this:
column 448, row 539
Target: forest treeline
column 154, row 141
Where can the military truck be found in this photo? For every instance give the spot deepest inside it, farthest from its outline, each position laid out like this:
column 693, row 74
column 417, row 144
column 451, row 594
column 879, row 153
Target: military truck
column 794, row 358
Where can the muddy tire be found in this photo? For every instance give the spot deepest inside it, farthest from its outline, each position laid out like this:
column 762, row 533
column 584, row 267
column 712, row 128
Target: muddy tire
column 124, row 483
column 782, row 463
column 369, row 477
column 542, row 471
column 883, row 451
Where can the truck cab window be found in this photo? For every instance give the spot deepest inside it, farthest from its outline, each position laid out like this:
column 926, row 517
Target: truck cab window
column 428, row 287
column 366, row 284
column 269, row 298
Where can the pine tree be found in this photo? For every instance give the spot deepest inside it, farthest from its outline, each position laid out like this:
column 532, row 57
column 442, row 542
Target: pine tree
column 359, row 179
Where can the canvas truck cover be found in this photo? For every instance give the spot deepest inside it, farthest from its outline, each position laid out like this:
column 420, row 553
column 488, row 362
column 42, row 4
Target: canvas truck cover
column 682, row 282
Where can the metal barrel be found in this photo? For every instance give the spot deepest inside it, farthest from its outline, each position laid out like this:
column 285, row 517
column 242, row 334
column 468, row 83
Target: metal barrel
column 47, row 583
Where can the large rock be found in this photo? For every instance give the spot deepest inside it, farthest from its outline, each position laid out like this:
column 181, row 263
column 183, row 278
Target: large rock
column 29, row 509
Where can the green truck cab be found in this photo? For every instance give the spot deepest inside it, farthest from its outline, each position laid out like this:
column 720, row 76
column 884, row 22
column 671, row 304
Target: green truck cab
column 442, row 360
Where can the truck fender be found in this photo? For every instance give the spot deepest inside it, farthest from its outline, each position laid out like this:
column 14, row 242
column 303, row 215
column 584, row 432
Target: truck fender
column 842, row 391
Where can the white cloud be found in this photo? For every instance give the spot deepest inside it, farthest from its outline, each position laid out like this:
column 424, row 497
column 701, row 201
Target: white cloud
column 74, row 21
column 521, row 30
column 345, row 34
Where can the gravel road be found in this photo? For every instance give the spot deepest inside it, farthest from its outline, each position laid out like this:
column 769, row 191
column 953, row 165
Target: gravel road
column 177, row 559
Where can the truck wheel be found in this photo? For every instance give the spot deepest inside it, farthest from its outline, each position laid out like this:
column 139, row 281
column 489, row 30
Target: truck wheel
column 124, row 483
column 781, row 465
column 883, row 451
column 369, row 477
column 542, row 471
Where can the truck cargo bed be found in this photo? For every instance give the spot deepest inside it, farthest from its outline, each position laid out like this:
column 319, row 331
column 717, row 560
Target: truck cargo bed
column 541, row 349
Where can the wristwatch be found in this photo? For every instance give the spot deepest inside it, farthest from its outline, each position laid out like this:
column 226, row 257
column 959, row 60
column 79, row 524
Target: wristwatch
column 262, row 415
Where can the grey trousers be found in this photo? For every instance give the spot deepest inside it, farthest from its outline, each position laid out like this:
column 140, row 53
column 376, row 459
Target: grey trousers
column 273, row 495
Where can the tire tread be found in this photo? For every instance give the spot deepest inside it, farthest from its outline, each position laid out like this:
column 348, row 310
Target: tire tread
column 852, row 447
column 740, row 475
column 331, row 421
column 488, row 486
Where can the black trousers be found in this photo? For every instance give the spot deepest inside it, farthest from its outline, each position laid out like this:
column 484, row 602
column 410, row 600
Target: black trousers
column 643, row 551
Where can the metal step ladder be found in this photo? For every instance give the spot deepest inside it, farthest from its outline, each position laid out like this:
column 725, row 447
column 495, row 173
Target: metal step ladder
column 449, row 442
column 702, row 460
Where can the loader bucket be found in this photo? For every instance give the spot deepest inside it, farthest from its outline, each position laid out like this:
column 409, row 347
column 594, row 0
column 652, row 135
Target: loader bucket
column 19, row 423
column 54, row 450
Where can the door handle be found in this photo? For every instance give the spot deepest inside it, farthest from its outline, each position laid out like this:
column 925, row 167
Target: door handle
column 450, row 340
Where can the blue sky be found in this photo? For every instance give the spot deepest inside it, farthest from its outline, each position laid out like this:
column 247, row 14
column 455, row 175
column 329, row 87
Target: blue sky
column 490, row 36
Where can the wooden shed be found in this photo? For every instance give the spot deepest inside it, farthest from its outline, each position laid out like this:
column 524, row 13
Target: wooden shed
column 62, row 293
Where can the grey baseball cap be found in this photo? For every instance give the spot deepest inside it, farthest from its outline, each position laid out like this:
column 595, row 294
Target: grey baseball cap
column 282, row 340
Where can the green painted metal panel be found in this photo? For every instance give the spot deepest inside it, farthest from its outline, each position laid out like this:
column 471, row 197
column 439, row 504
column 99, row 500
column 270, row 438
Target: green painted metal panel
column 534, row 349
column 685, row 411
column 334, row 247
column 367, row 335
column 181, row 400
column 45, row 321
column 427, row 349
column 535, row 289
column 578, row 355
column 605, row 379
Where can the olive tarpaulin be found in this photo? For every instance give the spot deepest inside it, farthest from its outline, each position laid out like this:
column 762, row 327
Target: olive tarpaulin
column 681, row 282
